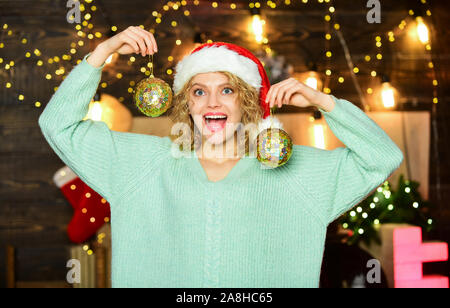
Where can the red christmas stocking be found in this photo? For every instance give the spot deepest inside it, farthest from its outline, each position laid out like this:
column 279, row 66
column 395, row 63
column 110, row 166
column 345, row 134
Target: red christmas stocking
column 91, row 211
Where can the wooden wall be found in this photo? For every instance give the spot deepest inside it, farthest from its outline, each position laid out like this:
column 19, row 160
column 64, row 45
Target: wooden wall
column 34, row 213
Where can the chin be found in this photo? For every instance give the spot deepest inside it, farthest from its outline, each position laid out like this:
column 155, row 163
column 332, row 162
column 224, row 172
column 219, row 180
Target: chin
column 217, row 138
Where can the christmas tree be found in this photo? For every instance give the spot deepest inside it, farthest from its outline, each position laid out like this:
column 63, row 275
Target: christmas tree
column 405, row 205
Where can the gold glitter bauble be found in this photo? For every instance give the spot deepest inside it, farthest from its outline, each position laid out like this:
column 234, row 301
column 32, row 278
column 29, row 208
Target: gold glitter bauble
column 274, row 147
column 153, row 96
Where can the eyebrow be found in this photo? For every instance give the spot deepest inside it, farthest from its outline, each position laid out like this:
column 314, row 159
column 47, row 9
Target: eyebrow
column 200, row 84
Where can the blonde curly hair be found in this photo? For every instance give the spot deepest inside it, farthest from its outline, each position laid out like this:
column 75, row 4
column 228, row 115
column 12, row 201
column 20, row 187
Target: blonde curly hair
column 248, row 98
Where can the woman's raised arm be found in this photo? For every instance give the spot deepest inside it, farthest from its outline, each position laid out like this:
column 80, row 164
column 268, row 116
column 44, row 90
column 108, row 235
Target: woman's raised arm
column 338, row 179
column 341, row 178
column 93, row 151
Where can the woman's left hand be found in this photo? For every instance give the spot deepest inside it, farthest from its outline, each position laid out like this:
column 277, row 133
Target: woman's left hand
column 295, row 93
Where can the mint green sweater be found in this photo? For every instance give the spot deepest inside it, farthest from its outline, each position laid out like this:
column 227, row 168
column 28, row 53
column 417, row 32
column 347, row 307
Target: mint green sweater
column 258, row 227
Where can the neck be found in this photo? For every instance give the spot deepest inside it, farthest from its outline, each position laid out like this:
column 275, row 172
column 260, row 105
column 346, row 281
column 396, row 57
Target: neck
column 228, row 150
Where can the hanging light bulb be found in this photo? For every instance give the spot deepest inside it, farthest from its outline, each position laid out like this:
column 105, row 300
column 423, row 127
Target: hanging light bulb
column 257, row 28
column 422, row 30
column 388, row 96
column 311, row 78
column 108, row 109
column 388, row 93
column 257, row 25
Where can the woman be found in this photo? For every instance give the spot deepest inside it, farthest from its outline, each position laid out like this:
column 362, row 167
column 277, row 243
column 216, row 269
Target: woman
column 209, row 220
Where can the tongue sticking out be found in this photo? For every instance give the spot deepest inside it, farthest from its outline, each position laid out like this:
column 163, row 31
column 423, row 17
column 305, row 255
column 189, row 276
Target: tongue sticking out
column 215, row 125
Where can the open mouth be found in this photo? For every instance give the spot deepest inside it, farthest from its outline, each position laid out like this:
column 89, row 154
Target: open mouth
column 215, row 122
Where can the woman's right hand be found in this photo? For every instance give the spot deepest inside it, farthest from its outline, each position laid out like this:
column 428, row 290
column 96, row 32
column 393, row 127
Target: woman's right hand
column 132, row 40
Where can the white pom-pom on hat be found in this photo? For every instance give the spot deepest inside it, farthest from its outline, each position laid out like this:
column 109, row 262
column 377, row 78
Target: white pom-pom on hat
column 269, row 122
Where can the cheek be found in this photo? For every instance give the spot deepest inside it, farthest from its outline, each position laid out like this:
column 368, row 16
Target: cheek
column 196, row 105
column 193, row 108
column 195, row 112
column 236, row 111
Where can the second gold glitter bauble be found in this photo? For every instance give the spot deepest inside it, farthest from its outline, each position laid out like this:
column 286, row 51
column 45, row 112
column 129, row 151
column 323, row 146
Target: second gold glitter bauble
column 273, row 144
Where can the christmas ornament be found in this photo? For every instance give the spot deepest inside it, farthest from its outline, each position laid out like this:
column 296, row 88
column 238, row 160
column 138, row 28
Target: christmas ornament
column 153, row 96
column 273, row 144
column 91, row 211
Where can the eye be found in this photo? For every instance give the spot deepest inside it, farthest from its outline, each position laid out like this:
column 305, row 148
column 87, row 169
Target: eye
column 229, row 89
column 195, row 91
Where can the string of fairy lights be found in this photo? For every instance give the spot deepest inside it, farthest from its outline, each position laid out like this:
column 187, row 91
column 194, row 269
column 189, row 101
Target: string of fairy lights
column 85, row 28
column 419, row 26
column 328, row 53
column 55, row 68
column 384, row 190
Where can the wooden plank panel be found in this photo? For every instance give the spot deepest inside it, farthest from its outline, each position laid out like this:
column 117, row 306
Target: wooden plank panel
column 33, row 212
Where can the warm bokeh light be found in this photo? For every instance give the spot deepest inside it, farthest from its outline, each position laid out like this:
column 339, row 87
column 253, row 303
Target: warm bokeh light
column 108, row 61
column 319, row 136
column 312, row 82
column 311, row 78
column 112, row 58
column 422, row 31
column 95, row 112
column 388, row 95
column 257, row 26
column 109, row 110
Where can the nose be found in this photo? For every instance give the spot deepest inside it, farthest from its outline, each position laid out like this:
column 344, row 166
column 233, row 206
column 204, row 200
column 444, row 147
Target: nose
column 213, row 100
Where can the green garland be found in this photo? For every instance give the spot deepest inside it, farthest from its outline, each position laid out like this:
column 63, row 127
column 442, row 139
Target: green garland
column 386, row 206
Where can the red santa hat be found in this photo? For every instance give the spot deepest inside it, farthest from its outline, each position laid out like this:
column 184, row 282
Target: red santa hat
column 220, row 56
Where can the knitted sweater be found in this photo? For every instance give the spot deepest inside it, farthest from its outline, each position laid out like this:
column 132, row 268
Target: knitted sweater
column 258, row 227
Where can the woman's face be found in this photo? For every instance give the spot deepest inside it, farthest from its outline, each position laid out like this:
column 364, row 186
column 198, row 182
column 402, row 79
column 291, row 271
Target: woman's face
column 214, row 107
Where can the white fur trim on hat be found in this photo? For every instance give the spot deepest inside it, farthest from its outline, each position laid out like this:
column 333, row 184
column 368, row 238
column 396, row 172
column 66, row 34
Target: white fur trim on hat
column 214, row 59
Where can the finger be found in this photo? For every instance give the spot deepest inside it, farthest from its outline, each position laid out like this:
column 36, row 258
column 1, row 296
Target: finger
column 273, row 91
column 308, row 92
column 272, row 94
column 126, row 38
column 289, row 89
column 288, row 95
column 138, row 32
column 302, row 101
column 152, row 37
column 282, row 90
column 269, row 95
column 141, row 41
column 291, row 93
column 154, row 41
column 138, row 40
column 148, row 39
column 135, row 39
